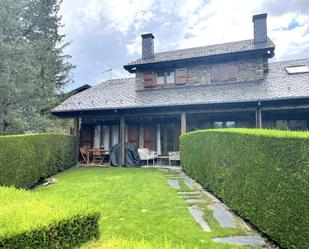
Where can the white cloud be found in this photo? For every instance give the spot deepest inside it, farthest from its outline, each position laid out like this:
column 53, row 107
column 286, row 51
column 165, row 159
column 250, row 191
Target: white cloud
column 103, row 16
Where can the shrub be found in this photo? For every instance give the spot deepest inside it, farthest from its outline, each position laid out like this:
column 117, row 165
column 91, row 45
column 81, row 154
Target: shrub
column 33, row 220
column 261, row 174
column 25, row 159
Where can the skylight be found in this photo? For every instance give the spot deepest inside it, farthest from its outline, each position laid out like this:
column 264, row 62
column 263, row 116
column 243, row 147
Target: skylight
column 297, row 69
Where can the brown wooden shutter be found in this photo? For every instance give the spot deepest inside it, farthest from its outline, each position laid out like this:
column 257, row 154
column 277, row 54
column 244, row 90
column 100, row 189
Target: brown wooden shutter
column 181, row 76
column 223, row 72
column 149, row 80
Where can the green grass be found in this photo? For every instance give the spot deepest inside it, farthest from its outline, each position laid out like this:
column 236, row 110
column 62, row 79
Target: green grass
column 138, row 209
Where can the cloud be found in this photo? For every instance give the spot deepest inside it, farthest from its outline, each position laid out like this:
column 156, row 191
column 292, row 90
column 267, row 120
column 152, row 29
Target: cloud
column 108, row 32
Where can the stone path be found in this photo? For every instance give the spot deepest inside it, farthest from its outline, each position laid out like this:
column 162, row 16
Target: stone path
column 174, row 184
column 222, row 215
column 242, row 240
column 221, row 212
column 188, row 182
column 198, row 214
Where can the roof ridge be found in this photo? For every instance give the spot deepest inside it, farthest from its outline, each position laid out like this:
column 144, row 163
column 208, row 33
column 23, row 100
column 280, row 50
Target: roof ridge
column 211, row 45
column 289, row 60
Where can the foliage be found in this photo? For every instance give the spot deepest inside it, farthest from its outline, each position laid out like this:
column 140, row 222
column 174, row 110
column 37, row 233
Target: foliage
column 25, row 159
column 33, row 68
column 262, row 174
column 138, row 209
column 32, row 220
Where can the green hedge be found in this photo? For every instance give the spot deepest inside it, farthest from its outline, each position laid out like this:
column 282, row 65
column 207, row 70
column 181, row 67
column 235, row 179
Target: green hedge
column 261, row 174
column 34, row 220
column 25, row 159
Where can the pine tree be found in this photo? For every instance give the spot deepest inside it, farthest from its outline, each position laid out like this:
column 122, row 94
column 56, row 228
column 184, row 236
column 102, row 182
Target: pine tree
column 33, row 68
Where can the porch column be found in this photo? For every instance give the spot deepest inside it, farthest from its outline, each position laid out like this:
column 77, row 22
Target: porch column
column 183, row 123
column 159, row 139
column 258, row 117
column 76, row 134
column 122, row 139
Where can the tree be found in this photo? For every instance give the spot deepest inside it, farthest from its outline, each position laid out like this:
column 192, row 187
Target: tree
column 33, row 68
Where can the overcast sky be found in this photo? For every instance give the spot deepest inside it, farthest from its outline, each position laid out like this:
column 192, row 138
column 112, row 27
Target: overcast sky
column 106, row 33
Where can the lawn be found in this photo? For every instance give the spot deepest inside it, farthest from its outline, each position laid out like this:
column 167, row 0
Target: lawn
column 138, row 209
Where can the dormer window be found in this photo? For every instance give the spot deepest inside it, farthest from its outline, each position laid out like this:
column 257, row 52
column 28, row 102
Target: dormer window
column 297, row 69
column 165, row 77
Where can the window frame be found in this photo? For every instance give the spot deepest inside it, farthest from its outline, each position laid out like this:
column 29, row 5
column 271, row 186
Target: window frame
column 165, row 83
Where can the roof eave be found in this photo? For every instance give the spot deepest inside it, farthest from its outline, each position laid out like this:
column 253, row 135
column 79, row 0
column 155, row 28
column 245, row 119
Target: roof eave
column 131, row 68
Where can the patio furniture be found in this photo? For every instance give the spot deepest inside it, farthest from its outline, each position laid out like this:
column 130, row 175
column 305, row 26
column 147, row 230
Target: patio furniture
column 84, row 152
column 161, row 158
column 145, row 155
column 173, row 156
column 98, row 155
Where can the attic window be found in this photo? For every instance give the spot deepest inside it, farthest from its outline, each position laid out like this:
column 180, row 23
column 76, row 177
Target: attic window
column 297, row 69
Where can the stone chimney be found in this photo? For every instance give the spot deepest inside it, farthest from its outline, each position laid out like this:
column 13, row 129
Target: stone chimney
column 260, row 27
column 147, row 46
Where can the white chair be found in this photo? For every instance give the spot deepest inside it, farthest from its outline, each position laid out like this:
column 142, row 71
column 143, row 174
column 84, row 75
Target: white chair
column 145, row 155
column 173, row 156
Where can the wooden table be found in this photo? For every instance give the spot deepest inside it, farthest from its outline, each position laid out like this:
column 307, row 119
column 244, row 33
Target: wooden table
column 91, row 151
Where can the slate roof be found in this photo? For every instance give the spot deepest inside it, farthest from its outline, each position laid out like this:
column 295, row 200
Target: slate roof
column 205, row 51
column 121, row 94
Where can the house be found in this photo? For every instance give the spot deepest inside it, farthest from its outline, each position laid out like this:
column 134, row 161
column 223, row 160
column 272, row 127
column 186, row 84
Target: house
column 217, row 86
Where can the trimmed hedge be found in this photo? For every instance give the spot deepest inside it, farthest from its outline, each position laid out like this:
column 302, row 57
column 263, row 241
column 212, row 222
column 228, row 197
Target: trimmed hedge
column 261, row 174
column 34, row 220
column 25, row 159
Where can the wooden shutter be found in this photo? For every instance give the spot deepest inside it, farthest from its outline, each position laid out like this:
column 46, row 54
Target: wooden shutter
column 181, row 76
column 149, row 80
column 223, row 72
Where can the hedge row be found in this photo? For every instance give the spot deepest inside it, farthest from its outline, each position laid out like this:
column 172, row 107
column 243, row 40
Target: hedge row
column 261, row 174
column 33, row 220
column 25, row 159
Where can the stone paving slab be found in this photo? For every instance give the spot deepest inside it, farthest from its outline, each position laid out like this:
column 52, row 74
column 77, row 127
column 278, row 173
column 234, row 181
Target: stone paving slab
column 242, row 240
column 188, row 182
column 222, row 215
column 197, row 215
column 195, row 201
column 174, row 184
column 189, row 193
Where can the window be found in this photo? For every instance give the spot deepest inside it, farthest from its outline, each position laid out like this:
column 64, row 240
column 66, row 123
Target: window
column 170, row 77
column 223, row 72
column 218, row 125
column 165, row 77
column 297, row 69
column 226, row 124
column 230, row 124
column 160, row 78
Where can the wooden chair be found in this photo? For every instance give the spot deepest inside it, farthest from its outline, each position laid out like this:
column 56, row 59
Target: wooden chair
column 84, row 151
column 97, row 155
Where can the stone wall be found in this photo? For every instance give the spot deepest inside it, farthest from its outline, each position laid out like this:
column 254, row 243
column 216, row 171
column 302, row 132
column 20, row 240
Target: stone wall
column 248, row 69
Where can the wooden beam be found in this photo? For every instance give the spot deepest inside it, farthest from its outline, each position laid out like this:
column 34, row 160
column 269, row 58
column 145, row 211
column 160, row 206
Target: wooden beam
column 122, row 139
column 286, row 107
column 183, row 123
column 77, row 136
column 205, row 110
column 258, row 117
column 141, row 136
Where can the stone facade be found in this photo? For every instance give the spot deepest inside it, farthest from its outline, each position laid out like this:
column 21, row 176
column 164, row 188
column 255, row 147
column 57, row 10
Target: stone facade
column 248, row 69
